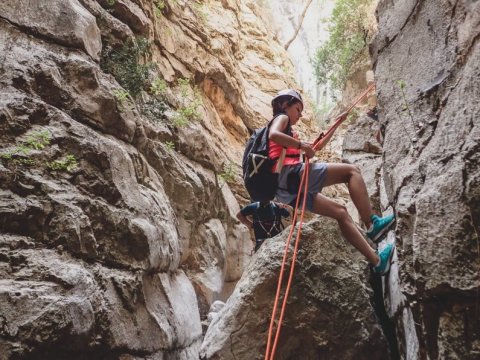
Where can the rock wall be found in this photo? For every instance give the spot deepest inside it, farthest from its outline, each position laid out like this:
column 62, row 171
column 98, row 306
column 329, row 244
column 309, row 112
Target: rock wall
column 115, row 232
column 427, row 67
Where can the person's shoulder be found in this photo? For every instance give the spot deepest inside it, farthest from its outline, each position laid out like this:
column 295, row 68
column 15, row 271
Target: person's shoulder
column 281, row 118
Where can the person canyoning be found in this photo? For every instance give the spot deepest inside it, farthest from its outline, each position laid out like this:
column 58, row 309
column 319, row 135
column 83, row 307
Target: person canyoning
column 287, row 110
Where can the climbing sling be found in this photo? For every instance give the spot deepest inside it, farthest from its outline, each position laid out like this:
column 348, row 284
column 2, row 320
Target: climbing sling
column 319, row 142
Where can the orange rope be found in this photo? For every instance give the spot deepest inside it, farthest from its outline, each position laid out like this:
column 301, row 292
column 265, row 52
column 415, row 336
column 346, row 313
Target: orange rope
column 270, row 353
column 295, row 251
column 280, row 278
column 339, row 120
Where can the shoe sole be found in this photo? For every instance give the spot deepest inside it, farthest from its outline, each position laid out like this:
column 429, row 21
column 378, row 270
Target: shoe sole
column 382, row 232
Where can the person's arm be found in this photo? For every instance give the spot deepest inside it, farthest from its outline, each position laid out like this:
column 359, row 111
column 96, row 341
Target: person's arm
column 276, row 134
column 244, row 220
column 285, row 210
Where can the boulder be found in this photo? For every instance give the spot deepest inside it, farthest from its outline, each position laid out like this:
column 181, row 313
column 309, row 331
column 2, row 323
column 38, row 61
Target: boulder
column 328, row 313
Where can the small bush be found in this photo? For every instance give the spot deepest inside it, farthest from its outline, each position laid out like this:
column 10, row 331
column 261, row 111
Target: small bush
column 125, row 65
column 154, row 109
column 186, row 114
column 158, row 87
column 159, row 7
column 123, row 98
column 68, row 164
column 169, row 145
column 228, row 173
column 36, row 140
column 191, row 101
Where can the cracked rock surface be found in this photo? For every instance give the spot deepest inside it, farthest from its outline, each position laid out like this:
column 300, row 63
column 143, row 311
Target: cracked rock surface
column 429, row 50
column 121, row 255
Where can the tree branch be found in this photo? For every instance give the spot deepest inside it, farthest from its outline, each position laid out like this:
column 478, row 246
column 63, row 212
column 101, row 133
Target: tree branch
column 287, row 44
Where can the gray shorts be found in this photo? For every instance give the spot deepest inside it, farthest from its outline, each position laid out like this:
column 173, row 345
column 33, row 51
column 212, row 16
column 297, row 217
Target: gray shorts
column 289, row 182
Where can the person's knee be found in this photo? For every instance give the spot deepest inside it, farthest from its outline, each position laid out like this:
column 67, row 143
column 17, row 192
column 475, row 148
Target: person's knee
column 353, row 170
column 341, row 213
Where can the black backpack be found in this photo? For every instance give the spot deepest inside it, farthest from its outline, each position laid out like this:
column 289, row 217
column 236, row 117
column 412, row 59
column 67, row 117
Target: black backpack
column 260, row 181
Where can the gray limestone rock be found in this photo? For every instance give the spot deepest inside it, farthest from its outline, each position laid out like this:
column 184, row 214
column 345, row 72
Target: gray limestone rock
column 431, row 169
column 328, row 313
column 63, row 21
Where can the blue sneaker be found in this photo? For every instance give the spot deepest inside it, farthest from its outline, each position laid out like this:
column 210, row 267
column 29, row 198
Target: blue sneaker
column 379, row 226
column 385, row 256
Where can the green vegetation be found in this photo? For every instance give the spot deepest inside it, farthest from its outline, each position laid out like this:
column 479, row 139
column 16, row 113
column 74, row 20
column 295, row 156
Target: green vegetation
column 347, row 45
column 111, row 2
column 197, row 8
column 159, row 7
column 169, row 145
column 37, row 140
column 352, row 116
column 123, row 98
column 228, row 173
column 402, row 85
column 184, row 85
column 191, row 101
column 158, row 87
column 68, row 164
column 154, row 109
column 19, row 154
column 125, row 64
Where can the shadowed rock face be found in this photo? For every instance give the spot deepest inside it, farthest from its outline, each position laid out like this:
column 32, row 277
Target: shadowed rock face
column 328, row 313
column 431, row 171
column 121, row 256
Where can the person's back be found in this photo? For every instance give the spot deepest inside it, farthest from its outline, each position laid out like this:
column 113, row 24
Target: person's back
column 266, row 219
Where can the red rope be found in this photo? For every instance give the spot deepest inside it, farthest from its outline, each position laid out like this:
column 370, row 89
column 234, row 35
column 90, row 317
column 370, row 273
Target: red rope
column 270, row 353
column 282, row 268
column 295, row 251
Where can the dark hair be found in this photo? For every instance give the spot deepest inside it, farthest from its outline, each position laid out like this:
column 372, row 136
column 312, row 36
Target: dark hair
column 277, row 104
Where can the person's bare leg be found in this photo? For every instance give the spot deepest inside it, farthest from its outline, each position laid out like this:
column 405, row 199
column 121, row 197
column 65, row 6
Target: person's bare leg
column 350, row 174
column 327, row 207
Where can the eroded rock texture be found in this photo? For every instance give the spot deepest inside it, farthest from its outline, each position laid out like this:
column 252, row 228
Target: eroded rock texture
column 429, row 50
column 122, row 255
column 328, row 313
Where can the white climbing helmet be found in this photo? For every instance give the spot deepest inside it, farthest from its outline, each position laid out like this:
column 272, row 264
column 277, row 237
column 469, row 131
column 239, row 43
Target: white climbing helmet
column 288, row 93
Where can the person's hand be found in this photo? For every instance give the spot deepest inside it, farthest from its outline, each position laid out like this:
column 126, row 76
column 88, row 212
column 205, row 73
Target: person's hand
column 307, row 148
